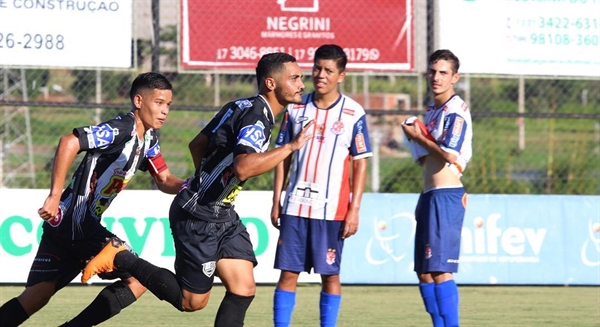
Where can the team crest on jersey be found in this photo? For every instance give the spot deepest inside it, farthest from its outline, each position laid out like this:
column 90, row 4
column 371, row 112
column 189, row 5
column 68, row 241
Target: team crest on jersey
column 243, row 104
column 101, row 136
column 253, row 136
column 427, row 252
column 209, row 268
column 338, row 127
column 330, row 256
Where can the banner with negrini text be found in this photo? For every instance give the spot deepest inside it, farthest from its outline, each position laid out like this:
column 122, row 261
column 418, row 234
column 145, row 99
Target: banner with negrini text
column 220, row 35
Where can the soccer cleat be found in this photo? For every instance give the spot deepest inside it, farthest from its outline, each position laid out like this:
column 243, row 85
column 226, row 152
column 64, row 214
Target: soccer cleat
column 104, row 260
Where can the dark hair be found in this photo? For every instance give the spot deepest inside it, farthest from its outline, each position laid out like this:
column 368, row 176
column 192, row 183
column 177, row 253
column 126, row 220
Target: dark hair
column 271, row 63
column 149, row 81
column 444, row 54
column 332, row 52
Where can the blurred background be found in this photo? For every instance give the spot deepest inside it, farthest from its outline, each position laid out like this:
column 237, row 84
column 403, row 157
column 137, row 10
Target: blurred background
column 530, row 72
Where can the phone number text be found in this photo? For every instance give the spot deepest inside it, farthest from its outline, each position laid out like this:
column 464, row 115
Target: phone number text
column 301, row 54
column 32, row 41
column 564, row 39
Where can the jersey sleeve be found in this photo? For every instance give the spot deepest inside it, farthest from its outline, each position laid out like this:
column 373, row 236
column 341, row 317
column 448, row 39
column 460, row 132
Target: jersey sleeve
column 455, row 130
column 154, row 161
column 104, row 136
column 286, row 131
column 253, row 133
column 360, row 146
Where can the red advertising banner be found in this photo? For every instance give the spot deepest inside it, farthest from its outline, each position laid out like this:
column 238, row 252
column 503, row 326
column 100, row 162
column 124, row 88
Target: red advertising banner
column 376, row 35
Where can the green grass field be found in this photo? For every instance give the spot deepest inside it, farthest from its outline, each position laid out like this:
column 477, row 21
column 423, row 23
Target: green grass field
column 362, row 306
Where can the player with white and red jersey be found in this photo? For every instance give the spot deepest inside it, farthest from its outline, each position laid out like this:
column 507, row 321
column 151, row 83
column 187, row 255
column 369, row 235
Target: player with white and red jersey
column 319, row 183
column 442, row 204
column 451, row 127
column 326, row 182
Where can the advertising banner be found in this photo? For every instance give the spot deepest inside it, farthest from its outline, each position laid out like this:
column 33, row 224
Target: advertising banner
column 58, row 33
column 376, row 35
column 506, row 239
column 522, row 37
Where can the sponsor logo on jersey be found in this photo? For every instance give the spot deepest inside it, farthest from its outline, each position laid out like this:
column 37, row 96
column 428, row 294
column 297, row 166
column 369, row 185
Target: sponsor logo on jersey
column 338, row 127
column 101, row 136
column 253, row 136
column 456, row 131
column 330, row 256
column 361, row 145
column 209, row 268
column 348, row 111
column 301, row 119
column 243, row 104
column 153, row 151
column 298, row 106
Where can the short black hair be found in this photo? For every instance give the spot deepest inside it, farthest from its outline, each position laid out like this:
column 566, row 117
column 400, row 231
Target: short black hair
column 332, row 52
column 445, row 54
column 271, row 63
column 149, row 81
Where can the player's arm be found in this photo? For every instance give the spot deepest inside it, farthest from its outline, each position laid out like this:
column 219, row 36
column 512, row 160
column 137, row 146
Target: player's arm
column 246, row 165
column 413, row 131
column 359, row 177
column 198, row 146
column 280, row 176
column 67, row 150
column 167, row 182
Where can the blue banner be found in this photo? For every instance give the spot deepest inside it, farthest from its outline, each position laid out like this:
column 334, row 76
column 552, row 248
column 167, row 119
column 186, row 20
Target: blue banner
column 506, row 239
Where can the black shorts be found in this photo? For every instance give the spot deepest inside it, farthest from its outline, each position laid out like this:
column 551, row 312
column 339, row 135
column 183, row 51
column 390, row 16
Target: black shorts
column 200, row 244
column 61, row 259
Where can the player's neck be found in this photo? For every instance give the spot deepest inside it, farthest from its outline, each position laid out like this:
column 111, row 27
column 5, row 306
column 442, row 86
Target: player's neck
column 140, row 128
column 440, row 99
column 324, row 101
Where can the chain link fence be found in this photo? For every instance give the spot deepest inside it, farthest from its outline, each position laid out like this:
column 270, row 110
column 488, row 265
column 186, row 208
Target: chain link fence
column 532, row 135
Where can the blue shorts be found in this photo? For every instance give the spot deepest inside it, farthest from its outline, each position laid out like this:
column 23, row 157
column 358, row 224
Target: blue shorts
column 309, row 243
column 439, row 214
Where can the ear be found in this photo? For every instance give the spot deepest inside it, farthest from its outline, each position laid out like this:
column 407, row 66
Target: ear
column 341, row 77
column 137, row 101
column 270, row 83
column 455, row 78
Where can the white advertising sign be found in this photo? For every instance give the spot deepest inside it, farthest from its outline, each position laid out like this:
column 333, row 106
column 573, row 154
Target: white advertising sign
column 141, row 218
column 522, row 37
column 59, row 33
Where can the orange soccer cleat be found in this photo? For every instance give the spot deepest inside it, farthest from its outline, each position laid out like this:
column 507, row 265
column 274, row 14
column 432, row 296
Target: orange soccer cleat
column 103, row 261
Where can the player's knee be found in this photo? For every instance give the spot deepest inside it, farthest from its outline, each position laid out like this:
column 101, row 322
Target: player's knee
column 194, row 303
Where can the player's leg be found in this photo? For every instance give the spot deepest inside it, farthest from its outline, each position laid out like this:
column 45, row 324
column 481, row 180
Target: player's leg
column 290, row 258
column 108, row 303
column 235, row 270
column 450, row 205
column 326, row 246
column 53, row 268
column 114, row 297
column 422, row 256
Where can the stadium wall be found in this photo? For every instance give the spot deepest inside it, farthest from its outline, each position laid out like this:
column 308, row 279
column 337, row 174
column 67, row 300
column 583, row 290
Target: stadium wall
column 507, row 239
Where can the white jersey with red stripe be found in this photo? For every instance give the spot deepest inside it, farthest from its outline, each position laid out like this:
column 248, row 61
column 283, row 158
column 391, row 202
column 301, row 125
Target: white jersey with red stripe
column 320, row 178
column 450, row 125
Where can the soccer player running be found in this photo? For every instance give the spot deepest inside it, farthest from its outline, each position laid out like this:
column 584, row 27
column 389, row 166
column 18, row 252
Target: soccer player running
column 72, row 234
column 326, row 183
column 209, row 236
column 441, row 207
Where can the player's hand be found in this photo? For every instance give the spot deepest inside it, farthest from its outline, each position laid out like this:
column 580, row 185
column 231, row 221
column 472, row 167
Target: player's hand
column 275, row 210
column 411, row 130
column 50, row 208
column 350, row 225
column 305, row 134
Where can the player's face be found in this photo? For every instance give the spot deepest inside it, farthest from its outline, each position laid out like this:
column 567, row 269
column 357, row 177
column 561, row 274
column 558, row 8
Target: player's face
column 326, row 76
column 442, row 78
column 289, row 86
column 153, row 107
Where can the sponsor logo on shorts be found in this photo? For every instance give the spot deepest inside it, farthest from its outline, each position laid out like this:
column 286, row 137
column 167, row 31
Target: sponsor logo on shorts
column 54, row 222
column 209, row 268
column 330, row 256
column 427, row 252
